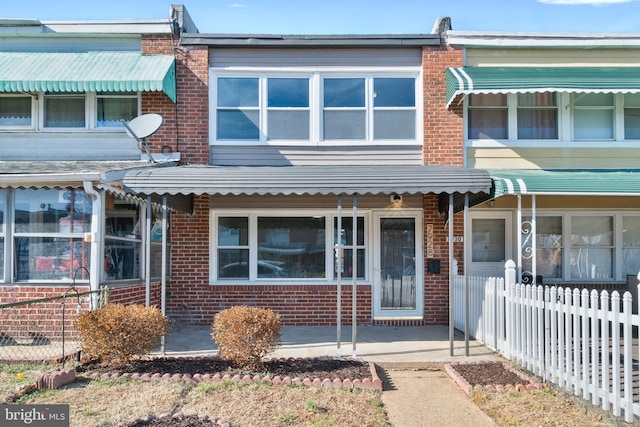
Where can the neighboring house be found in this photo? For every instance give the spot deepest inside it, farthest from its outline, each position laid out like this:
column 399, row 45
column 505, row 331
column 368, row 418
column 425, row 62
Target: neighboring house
column 555, row 118
column 304, row 134
column 65, row 216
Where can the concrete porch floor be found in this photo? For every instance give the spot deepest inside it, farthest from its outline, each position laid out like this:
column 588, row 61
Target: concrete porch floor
column 379, row 344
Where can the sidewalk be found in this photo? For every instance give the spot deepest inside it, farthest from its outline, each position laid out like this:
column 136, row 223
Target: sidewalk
column 415, row 393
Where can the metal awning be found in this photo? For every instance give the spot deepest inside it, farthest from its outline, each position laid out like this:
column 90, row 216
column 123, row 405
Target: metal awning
column 287, row 180
column 470, row 80
column 87, row 71
column 579, row 182
column 103, row 174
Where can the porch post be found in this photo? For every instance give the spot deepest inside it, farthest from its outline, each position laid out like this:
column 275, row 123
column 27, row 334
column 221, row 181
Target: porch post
column 519, row 239
column 354, row 274
column 466, row 274
column 163, row 303
column 534, row 267
column 451, row 332
column 147, row 255
column 338, row 262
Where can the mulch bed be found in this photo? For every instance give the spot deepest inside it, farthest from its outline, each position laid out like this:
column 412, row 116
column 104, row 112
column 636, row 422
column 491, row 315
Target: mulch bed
column 286, row 367
column 490, row 375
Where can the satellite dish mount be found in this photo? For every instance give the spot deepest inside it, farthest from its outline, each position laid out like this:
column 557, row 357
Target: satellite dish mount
column 142, row 127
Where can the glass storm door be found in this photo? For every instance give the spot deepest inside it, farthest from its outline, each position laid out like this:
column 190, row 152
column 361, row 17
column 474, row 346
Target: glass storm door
column 397, row 292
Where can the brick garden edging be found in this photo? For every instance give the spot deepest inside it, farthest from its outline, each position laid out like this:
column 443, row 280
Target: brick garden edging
column 533, row 384
column 373, row 383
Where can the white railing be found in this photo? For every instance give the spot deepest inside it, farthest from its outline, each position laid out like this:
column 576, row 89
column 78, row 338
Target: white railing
column 584, row 341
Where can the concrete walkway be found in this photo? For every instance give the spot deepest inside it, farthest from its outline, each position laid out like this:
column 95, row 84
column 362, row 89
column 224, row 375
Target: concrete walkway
column 416, row 392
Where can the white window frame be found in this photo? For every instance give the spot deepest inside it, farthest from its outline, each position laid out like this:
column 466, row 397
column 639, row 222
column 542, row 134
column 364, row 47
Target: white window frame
column 252, row 246
column 91, row 112
column 565, row 128
column 316, row 106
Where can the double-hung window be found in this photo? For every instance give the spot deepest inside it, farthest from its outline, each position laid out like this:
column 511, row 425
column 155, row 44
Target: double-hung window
column 263, row 246
column 314, row 107
column 111, row 108
column 537, row 116
column 488, row 116
column 16, row 112
column 65, row 111
column 593, row 116
column 632, row 116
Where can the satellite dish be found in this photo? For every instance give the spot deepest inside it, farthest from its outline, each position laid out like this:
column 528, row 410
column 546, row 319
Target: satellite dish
column 142, row 127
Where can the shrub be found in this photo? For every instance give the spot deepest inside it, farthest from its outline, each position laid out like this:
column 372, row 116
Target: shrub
column 116, row 333
column 245, row 334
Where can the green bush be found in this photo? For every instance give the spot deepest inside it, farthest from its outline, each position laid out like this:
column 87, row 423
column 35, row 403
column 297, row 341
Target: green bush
column 245, row 334
column 116, row 333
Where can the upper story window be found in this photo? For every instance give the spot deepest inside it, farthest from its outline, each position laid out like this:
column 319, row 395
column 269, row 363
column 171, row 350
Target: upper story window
column 68, row 111
column 553, row 116
column 15, row 111
column 314, row 107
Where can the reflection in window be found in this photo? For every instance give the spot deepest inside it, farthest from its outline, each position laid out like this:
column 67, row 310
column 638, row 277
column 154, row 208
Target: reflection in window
column 593, row 116
column 549, row 247
column 114, row 108
column 292, row 247
column 233, row 248
column 122, row 242
column 344, row 108
column 592, row 247
column 631, row 245
column 488, row 239
column 488, row 116
column 347, row 244
column 394, row 108
column 49, row 229
column 288, row 108
column 238, row 114
column 537, row 116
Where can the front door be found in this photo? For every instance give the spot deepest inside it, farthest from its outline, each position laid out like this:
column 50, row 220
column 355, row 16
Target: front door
column 397, row 283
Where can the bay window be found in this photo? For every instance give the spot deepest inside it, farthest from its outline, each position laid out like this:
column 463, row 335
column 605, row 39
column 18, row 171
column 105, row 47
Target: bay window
column 260, row 246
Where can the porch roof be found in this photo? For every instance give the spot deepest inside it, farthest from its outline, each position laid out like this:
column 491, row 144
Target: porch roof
column 310, row 180
column 470, row 80
column 581, row 182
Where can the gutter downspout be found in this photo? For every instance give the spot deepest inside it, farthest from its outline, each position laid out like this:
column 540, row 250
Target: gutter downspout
column 95, row 239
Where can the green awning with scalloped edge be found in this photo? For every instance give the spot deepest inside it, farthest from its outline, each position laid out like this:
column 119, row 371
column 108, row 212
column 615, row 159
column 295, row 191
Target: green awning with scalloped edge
column 470, row 80
column 87, row 72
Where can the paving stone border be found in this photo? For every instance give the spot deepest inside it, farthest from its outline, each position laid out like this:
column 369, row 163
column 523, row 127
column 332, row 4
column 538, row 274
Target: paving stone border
column 373, row 383
column 532, row 383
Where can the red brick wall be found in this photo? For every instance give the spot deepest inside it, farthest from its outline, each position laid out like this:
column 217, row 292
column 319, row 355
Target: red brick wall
column 186, row 123
column 136, row 294
column 311, row 305
column 443, row 145
column 443, row 128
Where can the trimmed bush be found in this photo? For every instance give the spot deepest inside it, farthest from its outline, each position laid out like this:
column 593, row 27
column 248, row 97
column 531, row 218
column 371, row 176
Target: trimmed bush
column 116, row 333
column 245, row 334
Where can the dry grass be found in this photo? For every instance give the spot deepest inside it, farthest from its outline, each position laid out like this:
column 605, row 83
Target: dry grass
column 540, row 408
column 111, row 402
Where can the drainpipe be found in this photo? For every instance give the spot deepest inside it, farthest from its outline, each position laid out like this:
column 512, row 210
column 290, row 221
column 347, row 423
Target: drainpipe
column 95, row 239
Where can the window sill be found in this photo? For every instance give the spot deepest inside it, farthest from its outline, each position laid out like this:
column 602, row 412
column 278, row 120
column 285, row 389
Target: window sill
column 491, row 143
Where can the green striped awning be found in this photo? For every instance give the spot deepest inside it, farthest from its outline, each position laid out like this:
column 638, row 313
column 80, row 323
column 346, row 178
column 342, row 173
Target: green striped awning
column 579, row 182
column 87, row 71
column 469, row 80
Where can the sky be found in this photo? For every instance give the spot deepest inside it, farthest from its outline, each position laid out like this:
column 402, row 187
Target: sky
column 352, row 16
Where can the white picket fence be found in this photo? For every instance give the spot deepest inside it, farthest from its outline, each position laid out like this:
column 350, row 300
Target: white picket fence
column 585, row 342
